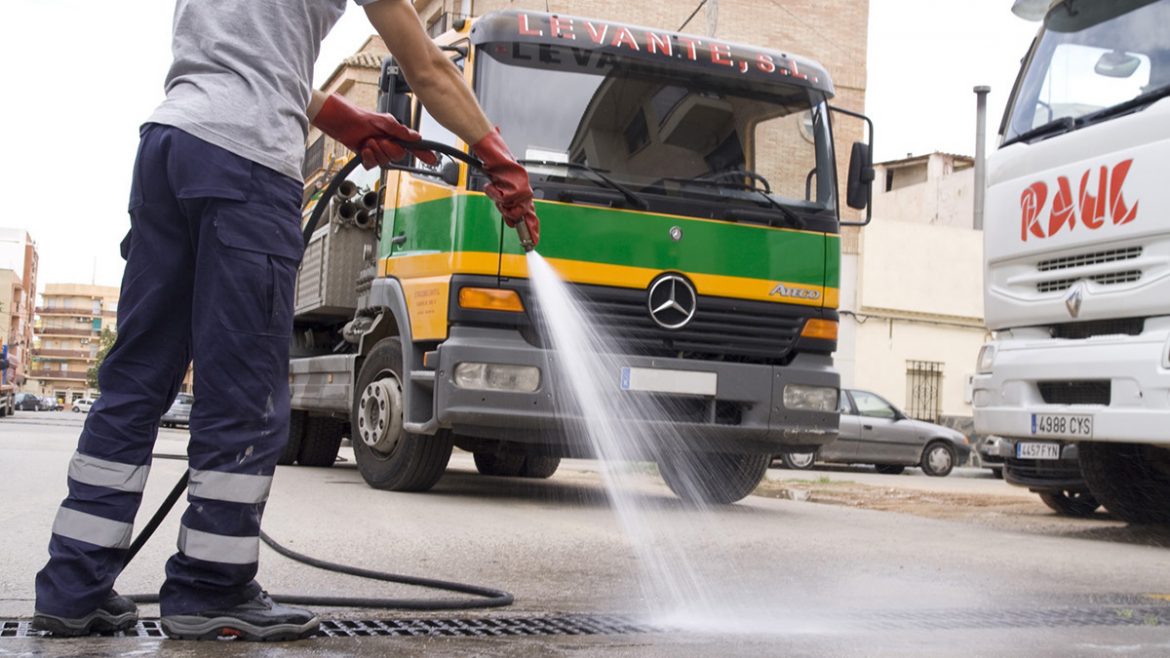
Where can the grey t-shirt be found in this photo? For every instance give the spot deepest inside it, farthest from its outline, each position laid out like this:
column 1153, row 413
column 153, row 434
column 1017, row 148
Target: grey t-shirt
column 242, row 74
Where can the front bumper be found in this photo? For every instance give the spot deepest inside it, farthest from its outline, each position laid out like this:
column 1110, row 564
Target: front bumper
column 1138, row 407
column 747, row 413
column 1041, row 475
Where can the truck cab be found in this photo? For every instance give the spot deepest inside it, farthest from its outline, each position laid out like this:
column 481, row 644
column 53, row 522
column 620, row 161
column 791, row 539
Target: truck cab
column 1077, row 252
column 664, row 165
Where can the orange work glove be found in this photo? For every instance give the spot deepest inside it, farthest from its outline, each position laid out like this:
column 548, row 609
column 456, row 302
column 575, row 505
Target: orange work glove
column 371, row 135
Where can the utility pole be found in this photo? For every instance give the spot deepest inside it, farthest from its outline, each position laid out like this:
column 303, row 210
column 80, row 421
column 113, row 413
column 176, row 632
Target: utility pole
column 980, row 152
column 712, row 17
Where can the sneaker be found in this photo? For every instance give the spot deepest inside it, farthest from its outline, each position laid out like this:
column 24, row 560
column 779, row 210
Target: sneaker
column 258, row 620
column 116, row 613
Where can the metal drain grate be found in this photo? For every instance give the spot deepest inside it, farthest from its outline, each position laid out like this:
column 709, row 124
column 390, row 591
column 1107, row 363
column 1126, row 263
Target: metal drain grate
column 486, row 627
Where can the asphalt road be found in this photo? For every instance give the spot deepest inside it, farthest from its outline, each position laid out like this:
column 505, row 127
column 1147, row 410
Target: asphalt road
column 778, row 577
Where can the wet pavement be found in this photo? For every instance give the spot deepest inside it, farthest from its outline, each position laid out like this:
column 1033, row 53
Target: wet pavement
column 786, row 577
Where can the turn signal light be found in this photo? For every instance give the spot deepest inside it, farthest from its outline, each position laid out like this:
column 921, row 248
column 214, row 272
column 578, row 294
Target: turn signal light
column 490, row 299
column 820, row 329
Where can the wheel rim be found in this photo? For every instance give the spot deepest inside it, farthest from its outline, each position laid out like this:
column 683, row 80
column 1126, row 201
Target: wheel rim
column 939, row 459
column 801, row 459
column 380, row 414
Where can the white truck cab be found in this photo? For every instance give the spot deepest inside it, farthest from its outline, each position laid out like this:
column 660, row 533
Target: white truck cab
column 1077, row 252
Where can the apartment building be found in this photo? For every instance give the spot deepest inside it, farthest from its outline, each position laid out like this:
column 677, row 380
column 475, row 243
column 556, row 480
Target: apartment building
column 68, row 335
column 19, row 262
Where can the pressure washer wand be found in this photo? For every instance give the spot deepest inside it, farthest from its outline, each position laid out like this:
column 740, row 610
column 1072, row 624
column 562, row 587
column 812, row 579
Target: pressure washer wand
column 525, row 237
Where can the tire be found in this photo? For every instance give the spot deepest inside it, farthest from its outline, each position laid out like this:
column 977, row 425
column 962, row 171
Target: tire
column 296, row 437
column 889, row 469
column 798, row 461
column 321, row 442
column 997, row 473
column 540, row 467
column 713, row 478
column 1131, row 480
column 389, row 457
column 1070, row 503
column 938, row 459
column 499, row 465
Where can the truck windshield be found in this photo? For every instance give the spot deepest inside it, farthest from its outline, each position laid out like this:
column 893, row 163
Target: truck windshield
column 1089, row 58
column 683, row 144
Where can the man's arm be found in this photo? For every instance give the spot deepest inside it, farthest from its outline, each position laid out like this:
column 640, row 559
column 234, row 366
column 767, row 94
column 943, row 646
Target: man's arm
column 433, row 78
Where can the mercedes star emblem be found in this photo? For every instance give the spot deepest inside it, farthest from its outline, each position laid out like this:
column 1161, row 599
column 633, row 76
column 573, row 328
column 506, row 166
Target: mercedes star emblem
column 672, row 301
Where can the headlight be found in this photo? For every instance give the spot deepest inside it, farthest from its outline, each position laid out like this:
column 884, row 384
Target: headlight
column 986, row 359
column 810, row 398
column 497, row 377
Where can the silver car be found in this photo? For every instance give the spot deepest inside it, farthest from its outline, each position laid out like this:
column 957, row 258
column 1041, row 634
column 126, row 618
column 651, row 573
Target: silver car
column 873, row 431
column 180, row 411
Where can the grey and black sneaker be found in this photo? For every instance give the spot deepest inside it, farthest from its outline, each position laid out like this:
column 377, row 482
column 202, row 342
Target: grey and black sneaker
column 116, row 613
column 258, row 620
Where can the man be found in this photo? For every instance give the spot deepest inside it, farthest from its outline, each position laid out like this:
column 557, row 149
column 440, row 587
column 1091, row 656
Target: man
column 212, row 256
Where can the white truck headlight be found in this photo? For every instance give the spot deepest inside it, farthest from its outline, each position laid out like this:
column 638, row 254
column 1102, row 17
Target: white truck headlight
column 810, row 398
column 986, row 359
column 497, row 377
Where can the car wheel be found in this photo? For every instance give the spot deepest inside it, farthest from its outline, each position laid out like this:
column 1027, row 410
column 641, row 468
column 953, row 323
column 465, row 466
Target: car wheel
column 321, row 441
column 997, row 473
column 1070, row 503
column 389, row 457
column 889, row 469
column 713, row 478
column 540, row 467
column 499, row 464
column 76, row 410
column 1131, row 480
column 798, row 461
column 938, row 460
column 296, row 436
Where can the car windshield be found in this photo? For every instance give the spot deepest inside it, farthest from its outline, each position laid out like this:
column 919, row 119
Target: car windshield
column 656, row 132
column 1087, row 59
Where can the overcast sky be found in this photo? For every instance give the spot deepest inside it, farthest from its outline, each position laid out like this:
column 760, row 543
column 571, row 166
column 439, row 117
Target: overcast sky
column 80, row 76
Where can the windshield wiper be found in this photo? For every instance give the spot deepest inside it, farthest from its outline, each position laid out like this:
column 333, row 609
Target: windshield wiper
column 791, row 217
column 1140, row 100
column 635, row 200
column 1054, row 127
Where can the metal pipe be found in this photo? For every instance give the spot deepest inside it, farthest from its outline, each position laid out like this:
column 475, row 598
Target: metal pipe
column 364, row 218
column 369, row 200
column 980, row 152
column 347, row 189
column 347, row 211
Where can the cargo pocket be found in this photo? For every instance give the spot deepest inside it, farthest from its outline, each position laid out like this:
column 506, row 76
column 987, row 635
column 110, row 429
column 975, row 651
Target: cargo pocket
column 259, row 252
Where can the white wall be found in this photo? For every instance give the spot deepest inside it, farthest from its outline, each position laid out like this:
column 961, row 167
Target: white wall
column 946, row 200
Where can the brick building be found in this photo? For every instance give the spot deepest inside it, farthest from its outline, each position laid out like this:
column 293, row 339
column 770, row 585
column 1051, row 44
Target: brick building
column 19, row 262
column 68, row 331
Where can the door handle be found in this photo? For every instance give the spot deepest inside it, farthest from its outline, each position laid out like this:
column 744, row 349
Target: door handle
column 399, row 239
column 868, row 427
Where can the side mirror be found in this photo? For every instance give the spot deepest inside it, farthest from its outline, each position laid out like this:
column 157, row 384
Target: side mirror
column 393, row 92
column 449, row 172
column 860, row 183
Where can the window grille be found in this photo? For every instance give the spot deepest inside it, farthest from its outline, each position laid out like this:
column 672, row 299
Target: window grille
column 924, row 383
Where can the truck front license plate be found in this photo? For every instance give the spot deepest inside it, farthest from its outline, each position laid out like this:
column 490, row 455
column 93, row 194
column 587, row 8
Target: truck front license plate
column 1036, row 450
column 678, row 382
column 1062, row 425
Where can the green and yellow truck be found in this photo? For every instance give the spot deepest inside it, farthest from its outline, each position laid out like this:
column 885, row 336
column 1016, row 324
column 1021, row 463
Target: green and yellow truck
column 667, row 168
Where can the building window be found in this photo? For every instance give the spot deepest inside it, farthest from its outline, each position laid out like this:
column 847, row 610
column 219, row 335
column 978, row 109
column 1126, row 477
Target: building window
column 924, row 389
column 437, row 24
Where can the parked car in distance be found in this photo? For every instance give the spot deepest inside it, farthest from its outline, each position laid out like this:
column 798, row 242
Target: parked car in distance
column 180, row 411
column 82, row 405
column 49, row 403
column 26, row 402
column 1051, row 469
column 873, row 431
column 993, row 451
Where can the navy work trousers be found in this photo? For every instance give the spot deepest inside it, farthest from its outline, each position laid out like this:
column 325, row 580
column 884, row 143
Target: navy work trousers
column 211, row 261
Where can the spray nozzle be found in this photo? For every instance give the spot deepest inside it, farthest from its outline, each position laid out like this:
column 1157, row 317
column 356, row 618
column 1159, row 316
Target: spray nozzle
column 525, row 237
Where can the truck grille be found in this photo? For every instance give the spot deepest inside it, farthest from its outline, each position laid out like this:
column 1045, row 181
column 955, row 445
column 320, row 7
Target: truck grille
column 1112, row 327
column 1095, row 258
column 1110, row 279
column 723, row 329
column 1090, row 391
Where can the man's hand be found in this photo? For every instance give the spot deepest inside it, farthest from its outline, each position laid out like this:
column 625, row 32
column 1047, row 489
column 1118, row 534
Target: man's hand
column 509, row 186
column 372, row 135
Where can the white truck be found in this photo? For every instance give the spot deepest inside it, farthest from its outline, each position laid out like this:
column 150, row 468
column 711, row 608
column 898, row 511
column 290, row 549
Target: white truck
column 1077, row 253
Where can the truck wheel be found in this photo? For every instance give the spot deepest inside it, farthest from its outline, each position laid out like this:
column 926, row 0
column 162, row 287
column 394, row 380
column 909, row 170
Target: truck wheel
column 713, row 478
column 499, row 465
column 1131, row 480
column 1070, row 503
column 938, row 460
column 321, row 441
column 389, row 457
column 798, row 461
column 296, row 436
column 540, row 468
